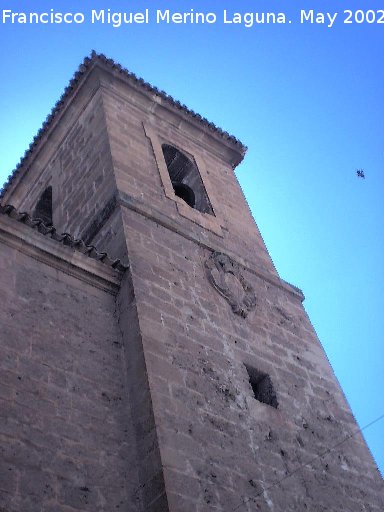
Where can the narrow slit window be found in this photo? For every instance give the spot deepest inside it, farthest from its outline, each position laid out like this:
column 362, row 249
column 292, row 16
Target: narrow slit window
column 43, row 208
column 186, row 180
column 262, row 387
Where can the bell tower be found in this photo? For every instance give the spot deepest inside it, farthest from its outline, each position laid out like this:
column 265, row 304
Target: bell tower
column 228, row 402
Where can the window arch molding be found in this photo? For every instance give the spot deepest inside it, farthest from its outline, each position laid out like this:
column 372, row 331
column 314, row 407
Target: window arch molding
column 177, row 139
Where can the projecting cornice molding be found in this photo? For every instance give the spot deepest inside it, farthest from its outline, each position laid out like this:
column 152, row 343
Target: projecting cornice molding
column 70, row 255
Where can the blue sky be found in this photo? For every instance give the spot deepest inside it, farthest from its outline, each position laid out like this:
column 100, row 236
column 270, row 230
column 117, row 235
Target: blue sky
column 306, row 99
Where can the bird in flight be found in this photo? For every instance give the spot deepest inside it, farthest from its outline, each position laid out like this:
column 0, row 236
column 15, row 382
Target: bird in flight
column 360, row 173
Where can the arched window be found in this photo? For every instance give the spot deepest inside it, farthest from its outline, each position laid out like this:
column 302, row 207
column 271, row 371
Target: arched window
column 43, row 208
column 186, row 180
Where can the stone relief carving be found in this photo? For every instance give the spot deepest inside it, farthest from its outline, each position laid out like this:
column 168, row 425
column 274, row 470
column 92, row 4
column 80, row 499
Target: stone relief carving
column 225, row 275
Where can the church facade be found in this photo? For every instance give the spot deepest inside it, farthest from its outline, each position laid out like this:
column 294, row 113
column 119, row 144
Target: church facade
column 152, row 359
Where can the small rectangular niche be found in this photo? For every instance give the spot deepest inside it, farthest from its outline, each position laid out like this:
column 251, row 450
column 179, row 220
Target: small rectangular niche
column 262, row 387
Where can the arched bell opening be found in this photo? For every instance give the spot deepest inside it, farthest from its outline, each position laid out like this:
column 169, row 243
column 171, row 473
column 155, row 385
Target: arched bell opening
column 185, row 193
column 186, row 180
column 43, row 209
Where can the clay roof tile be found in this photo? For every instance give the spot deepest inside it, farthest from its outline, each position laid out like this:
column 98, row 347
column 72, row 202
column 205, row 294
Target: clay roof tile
column 63, row 238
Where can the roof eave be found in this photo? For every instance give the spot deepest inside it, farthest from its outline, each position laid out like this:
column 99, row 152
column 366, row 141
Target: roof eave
column 100, row 60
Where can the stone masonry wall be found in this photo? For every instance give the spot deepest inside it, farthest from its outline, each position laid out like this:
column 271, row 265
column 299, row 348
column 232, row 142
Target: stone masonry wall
column 67, row 441
column 151, row 490
column 78, row 166
column 85, row 183
column 137, row 173
column 222, row 449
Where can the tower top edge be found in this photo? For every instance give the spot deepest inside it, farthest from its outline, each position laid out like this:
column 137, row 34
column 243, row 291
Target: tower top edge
column 93, row 61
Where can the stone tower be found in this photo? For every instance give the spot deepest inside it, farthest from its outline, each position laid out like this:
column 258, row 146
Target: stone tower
column 152, row 358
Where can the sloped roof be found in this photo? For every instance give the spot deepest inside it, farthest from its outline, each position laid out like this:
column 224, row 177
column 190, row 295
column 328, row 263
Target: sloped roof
column 64, row 238
column 100, row 59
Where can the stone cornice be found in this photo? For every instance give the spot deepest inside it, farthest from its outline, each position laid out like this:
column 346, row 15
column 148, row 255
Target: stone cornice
column 65, row 254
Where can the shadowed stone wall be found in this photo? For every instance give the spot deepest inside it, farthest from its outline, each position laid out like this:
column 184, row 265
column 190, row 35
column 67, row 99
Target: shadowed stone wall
column 67, row 440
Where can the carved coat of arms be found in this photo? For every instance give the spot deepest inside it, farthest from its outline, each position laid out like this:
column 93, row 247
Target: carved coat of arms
column 227, row 278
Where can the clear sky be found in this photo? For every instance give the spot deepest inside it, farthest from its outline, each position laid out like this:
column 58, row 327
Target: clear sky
column 307, row 99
